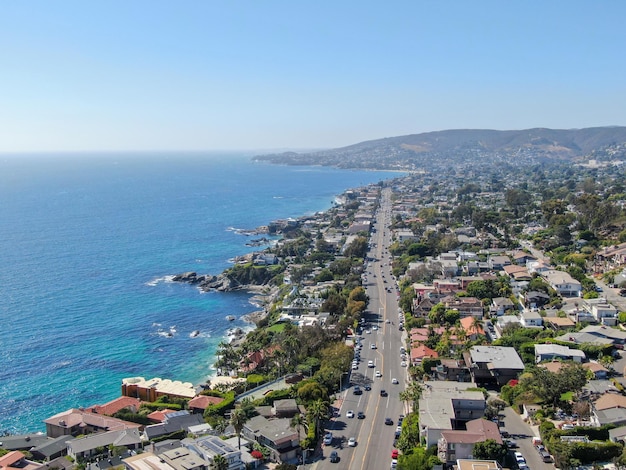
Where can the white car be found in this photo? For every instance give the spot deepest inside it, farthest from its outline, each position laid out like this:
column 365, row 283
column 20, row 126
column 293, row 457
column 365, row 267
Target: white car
column 370, row 364
column 355, row 366
column 352, row 442
column 378, row 374
column 350, row 414
column 394, row 463
column 403, row 364
column 328, row 438
column 394, row 381
column 373, row 346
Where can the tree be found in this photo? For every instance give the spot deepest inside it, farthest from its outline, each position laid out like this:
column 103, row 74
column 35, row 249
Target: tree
column 489, row 450
column 298, row 422
column 219, row 462
column 238, row 419
column 317, row 411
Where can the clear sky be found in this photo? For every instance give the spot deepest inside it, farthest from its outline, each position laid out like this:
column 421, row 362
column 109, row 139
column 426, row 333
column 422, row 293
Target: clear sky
column 266, row 74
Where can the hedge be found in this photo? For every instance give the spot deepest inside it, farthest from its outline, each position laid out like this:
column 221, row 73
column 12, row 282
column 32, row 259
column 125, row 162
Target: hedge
column 223, row 406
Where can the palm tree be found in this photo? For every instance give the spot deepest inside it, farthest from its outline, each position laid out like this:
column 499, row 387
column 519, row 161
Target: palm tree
column 299, row 421
column 219, row 462
column 316, row 412
column 238, row 418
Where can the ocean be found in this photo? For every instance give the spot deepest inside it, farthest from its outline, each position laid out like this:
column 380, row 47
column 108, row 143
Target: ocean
column 87, row 242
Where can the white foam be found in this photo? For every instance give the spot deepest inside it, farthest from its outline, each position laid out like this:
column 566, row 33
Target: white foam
column 157, row 280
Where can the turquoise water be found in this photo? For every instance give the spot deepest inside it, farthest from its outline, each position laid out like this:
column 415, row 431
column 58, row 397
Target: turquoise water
column 86, row 243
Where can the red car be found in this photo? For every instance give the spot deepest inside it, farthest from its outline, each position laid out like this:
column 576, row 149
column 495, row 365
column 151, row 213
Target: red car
column 394, row 454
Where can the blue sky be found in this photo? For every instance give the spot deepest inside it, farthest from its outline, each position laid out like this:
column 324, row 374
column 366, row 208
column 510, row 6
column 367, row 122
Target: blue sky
column 228, row 75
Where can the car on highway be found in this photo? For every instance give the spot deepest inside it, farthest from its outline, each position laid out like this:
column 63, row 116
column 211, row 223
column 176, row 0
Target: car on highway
column 370, row 364
column 360, row 415
column 383, row 393
column 367, row 388
column 394, row 381
column 352, row 442
column 378, row 374
column 334, row 456
column 357, row 390
column 389, row 421
column 373, row 346
column 350, row 414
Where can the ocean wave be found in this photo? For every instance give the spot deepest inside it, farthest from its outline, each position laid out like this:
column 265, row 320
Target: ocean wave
column 157, row 280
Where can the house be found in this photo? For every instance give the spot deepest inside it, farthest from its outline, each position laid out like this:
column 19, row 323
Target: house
column 472, row 327
column 119, row 404
column 493, row 365
column 210, row 446
column 453, row 370
column 276, row 434
column 446, row 406
column 602, row 311
column 517, row 273
column 550, row 352
column 403, row 235
column 51, row 449
column 92, row 445
column 455, row 445
column 563, row 283
column 558, row 323
column 466, row 306
column 474, row 464
column 174, row 422
column 286, row 408
column 15, row 460
column 615, row 336
column 580, row 337
column 421, row 352
column 610, row 408
column 23, row 441
column 531, row 319
column 497, row 262
column 201, row 402
column 151, row 390
column 599, row 371
column 182, row 459
column 76, row 421
column 534, row 299
column 505, row 320
column 501, row 305
column 538, row 266
column 522, row 258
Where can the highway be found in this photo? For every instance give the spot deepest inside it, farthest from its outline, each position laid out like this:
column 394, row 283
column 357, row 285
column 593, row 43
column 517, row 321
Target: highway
column 381, row 342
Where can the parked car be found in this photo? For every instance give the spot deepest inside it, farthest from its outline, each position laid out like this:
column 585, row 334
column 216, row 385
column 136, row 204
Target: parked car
column 328, row 438
column 350, row 414
column 352, row 442
column 357, row 390
column 334, row 456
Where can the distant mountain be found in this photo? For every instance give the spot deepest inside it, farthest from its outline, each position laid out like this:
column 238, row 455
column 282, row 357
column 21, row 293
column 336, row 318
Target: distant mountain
column 456, row 146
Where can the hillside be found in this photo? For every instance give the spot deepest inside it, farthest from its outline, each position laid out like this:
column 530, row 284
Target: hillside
column 456, row 146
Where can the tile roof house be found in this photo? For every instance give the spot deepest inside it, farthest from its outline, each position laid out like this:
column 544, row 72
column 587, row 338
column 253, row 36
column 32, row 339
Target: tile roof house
column 419, row 353
column 455, row 445
column 201, row 402
column 119, row 404
column 473, row 329
column 15, row 460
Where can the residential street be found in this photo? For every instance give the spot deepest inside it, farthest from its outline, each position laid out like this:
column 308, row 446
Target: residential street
column 522, row 433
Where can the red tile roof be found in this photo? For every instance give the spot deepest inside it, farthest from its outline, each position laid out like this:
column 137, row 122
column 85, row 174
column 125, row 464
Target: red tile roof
column 202, row 401
column 116, row 405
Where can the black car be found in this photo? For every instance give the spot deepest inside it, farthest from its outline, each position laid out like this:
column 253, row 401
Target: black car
column 383, row 393
column 357, row 390
column 334, row 456
column 360, row 415
column 389, row 421
column 368, row 388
